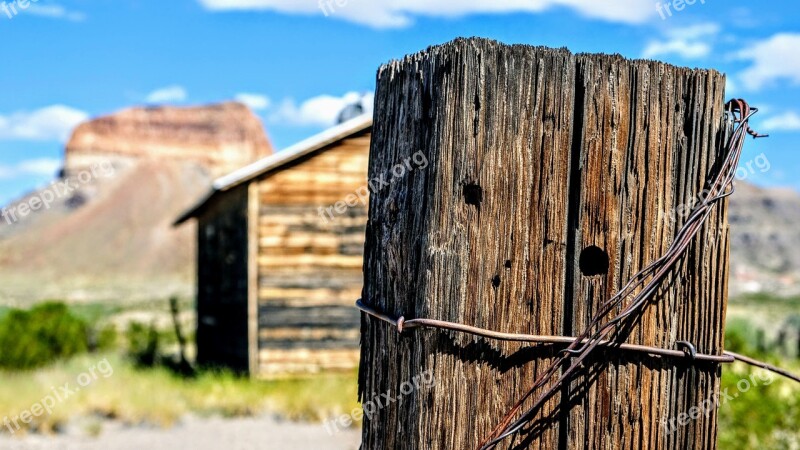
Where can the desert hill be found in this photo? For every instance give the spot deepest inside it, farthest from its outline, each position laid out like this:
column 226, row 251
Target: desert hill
column 107, row 232
column 765, row 240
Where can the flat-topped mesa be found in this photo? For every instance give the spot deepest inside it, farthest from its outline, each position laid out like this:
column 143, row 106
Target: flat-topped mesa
column 222, row 137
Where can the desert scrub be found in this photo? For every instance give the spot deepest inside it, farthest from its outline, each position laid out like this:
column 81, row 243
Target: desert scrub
column 41, row 335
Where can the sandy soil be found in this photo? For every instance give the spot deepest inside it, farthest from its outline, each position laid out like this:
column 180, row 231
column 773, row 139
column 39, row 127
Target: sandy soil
column 196, row 434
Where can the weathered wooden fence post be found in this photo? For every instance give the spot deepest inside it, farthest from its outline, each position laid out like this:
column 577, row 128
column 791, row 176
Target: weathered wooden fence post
column 549, row 179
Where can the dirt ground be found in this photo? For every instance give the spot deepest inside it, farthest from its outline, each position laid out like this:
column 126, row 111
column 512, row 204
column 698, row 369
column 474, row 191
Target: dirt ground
column 196, row 434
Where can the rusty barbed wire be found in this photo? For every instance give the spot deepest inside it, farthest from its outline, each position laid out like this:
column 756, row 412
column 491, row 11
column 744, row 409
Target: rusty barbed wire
column 688, row 349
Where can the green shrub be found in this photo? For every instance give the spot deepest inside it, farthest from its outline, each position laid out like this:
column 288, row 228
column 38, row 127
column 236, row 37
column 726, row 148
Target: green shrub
column 143, row 344
column 740, row 336
column 105, row 339
column 46, row 333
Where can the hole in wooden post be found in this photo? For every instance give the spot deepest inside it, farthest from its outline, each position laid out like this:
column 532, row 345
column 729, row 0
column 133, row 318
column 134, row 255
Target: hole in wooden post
column 508, row 264
column 593, row 261
column 496, row 281
column 473, row 194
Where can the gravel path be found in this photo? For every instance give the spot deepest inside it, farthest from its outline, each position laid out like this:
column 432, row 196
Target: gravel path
column 196, row 434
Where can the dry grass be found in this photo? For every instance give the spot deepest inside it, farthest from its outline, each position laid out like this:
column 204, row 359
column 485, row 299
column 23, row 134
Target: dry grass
column 158, row 397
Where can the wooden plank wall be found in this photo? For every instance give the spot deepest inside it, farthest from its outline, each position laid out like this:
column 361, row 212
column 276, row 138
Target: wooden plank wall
column 222, row 282
column 310, row 261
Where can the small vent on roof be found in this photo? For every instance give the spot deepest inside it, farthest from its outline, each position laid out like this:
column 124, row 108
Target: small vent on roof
column 350, row 111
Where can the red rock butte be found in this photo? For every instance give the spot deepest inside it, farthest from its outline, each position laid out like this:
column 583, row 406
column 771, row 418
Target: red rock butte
column 222, row 137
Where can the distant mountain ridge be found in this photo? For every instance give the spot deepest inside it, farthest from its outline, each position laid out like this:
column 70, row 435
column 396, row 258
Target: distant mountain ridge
column 765, row 240
column 106, row 231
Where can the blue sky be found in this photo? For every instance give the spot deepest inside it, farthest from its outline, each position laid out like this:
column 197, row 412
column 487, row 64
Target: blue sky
column 297, row 62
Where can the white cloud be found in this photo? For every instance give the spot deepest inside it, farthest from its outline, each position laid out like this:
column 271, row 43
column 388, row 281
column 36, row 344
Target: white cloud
column 401, row 13
column 789, row 121
column 319, row 111
column 169, row 94
column 689, row 43
column 40, row 166
column 698, row 31
column 771, row 60
column 688, row 50
column 43, row 167
column 55, row 12
column 256, row 102
column 49, row 123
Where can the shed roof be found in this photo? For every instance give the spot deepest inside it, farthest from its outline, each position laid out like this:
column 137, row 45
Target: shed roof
column 281, row 159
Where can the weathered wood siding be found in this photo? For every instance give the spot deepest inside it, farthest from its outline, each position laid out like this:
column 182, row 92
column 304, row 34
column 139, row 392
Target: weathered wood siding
column 309, row 263
column 222, row 282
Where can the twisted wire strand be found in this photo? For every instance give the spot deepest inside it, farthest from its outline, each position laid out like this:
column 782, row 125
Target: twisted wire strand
column 402, row 325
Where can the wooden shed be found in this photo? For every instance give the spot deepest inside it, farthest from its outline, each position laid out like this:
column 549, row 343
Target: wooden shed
column 279, row 261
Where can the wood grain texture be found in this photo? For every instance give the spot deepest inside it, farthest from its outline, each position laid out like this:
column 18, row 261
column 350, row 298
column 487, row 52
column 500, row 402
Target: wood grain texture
column 252, row 278
column 534, row 156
